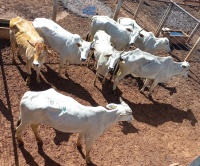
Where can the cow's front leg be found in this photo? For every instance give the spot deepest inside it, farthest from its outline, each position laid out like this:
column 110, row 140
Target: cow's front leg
column 79, row 140
column 28, row 73
column 62, row 63
column 13, row 47
column 117, row 79
column 66, row 69
column 38, row 74
column 88, row 142
column 146, row 83
column 155, row 82
column 96, row 76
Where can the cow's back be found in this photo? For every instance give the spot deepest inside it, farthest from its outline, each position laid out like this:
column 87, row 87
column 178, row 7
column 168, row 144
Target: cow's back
column 54, row 35
column 56, row 110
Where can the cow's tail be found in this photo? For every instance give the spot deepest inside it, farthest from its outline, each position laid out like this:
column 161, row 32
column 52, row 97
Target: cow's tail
column 18, row 122
column 87, row 37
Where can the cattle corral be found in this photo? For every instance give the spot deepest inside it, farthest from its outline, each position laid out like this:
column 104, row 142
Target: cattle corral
column 165, row 130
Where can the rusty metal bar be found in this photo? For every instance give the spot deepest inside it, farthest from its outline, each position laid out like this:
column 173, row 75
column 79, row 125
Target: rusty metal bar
column 116, row 13
column 194, row 48
column 138, row 8
column 193, row 32
column 163, row 20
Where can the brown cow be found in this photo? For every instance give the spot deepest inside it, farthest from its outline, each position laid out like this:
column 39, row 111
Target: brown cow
column 23, row 35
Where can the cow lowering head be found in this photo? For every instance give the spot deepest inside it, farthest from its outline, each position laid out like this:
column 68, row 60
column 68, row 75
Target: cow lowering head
column 114, row 59
column 39, row 52
column 185, row 67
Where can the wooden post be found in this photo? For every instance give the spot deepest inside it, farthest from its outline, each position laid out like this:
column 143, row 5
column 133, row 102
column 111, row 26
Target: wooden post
column 163, row 20
column 116, row 13
column 192, row 33
column 193, row 50
column 55, row 8
column 138, row 8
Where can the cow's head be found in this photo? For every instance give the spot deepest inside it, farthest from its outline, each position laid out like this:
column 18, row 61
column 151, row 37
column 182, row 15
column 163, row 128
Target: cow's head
column 163, row 44
column 185, row 67
column 124, row 112
column 84, row 49
column 113, row 59
column 39, row 52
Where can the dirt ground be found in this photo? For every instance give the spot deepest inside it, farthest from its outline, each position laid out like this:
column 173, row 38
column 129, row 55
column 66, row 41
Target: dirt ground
column 165, row 129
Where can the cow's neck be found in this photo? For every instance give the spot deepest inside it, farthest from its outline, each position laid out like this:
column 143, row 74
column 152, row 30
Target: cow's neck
column 111, row 117
column 175, row 68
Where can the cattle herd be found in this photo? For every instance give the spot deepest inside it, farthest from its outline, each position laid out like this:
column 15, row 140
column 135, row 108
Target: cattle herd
column 109, row 42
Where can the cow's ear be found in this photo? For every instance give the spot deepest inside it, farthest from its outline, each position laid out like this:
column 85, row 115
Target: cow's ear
column 128, row 29
column 108, row 55
column 78, row 44
column 111, row 106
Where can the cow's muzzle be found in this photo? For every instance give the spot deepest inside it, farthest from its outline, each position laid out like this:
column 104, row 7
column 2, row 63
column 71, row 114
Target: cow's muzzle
column 36, row 64
column 110, row 68
column 83, row 59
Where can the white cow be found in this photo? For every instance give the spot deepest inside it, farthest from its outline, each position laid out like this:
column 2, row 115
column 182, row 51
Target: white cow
column 121, row 37
column 100, row 37
column 65, row 114
column 145, row 65
column 105, row 55
column 71, row 47
column 145, row 41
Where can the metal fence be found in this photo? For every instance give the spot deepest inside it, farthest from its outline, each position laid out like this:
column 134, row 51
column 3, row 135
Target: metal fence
column 159, row 14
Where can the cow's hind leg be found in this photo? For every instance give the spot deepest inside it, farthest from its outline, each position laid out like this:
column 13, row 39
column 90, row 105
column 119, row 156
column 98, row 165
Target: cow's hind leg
column 20, row 127
column 34, row 127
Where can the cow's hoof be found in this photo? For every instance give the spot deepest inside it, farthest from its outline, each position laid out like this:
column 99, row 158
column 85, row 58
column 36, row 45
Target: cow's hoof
column 38, row 81
column 27, row 83
column 39, row 142
column 88, row 161
column 20, row 143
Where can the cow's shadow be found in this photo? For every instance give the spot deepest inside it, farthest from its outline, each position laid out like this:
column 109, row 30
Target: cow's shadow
column 30, row 160
column 67, row 85
column 156, row 114
column 60, row 137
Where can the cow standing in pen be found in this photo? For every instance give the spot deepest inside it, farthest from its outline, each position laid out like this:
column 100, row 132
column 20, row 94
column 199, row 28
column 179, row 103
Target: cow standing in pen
column 121, row 37
column 142, row 64
column 145, row 41
column 67, row 115
column 71, row 47
column 25, row 37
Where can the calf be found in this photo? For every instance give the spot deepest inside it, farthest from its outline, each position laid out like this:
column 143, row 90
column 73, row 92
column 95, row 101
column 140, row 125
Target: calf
column 145, row 65
column 121, row 37
column 71, row 48
column 105, row 55
column 145, row 41
column 23, row 35
column 67, row 115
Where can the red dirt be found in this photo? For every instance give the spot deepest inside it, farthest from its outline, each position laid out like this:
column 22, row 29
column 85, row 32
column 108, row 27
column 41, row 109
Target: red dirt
column 165, row 129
